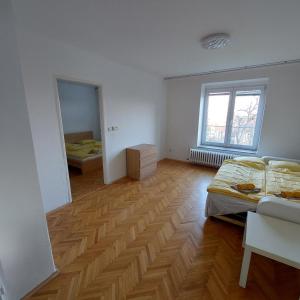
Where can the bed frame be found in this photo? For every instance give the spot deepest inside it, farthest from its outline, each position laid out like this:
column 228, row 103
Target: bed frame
column 233, row 219
column 86, row 165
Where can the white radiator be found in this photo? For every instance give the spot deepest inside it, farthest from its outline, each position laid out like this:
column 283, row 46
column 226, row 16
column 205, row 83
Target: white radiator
column 208, row 158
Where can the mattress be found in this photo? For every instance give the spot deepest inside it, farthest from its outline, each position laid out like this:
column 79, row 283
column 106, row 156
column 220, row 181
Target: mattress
column 218, row 204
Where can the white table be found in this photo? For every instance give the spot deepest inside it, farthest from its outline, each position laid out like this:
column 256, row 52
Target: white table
column 270, row 237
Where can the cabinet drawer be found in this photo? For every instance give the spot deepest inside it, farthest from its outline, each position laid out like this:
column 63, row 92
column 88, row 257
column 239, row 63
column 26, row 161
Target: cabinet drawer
column 141, row 160
column 148, row 170
column 147, row 160
column 150, row 151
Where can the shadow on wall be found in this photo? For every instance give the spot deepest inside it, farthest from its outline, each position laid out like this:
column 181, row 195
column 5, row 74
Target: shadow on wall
column 119, row 159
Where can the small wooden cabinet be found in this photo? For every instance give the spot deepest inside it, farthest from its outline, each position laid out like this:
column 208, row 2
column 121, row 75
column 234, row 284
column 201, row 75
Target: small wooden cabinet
column 141, row 161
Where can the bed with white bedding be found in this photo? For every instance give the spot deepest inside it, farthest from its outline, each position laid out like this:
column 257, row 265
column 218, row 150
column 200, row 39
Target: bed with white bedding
column 220, row 204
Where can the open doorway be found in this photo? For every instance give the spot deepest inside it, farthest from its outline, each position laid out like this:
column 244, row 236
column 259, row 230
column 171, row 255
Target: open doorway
column 81, row 125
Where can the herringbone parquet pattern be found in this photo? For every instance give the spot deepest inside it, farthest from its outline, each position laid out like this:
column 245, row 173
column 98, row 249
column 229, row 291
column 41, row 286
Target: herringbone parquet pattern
column 83, row 184
column 150, row 240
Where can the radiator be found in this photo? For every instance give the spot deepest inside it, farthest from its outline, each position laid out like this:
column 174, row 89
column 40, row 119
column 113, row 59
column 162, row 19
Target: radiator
column 208, row 158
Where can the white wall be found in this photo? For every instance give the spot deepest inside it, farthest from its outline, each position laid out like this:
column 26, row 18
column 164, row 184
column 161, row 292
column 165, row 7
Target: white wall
column 281, row 125
column 25, row 252
column 133, row 100
column 79, row 105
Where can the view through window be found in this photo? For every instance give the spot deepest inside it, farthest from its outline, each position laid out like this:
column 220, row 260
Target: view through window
column 232, row 117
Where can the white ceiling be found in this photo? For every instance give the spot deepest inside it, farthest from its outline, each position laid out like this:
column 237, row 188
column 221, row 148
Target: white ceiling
column 162, row 36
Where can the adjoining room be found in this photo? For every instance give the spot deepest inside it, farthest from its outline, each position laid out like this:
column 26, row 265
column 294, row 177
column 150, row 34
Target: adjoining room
column 80, row 115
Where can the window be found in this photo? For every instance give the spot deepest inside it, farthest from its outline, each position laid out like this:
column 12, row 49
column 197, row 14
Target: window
column 232, row 117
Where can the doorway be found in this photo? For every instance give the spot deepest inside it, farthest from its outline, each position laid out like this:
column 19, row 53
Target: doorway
column 82, row 134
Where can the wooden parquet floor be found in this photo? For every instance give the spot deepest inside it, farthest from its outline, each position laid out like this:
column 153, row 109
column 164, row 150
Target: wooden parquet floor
column 150, row 240
column 83, row 184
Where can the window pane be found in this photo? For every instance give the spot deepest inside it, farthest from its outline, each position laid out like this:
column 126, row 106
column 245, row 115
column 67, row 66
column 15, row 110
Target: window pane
column 216, row 117
column 244, row 117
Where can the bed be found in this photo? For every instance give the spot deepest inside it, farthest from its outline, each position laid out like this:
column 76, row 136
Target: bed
column 85, row 162
column 233, row 207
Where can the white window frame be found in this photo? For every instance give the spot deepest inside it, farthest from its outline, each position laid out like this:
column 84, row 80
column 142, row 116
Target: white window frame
column 232, row 94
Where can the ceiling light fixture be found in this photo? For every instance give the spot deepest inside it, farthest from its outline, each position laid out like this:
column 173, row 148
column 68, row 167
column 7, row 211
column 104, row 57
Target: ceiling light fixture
column 215, row 41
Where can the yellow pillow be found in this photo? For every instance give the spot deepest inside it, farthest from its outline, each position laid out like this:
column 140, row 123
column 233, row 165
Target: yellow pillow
column 250, row 158
column 282, row 164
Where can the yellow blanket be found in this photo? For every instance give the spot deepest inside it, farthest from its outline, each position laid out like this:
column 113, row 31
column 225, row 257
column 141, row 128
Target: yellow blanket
column 233, row 172
column 282, row 179
column 84, row 150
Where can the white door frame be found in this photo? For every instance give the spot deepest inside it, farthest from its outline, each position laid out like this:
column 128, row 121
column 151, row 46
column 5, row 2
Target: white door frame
column 61, row 131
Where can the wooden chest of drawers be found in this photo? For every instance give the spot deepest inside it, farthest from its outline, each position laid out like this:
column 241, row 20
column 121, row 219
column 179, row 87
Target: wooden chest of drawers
column 141, row 161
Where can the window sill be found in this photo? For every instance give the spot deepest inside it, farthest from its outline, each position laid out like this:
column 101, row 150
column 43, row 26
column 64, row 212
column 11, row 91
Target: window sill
column 228, row 150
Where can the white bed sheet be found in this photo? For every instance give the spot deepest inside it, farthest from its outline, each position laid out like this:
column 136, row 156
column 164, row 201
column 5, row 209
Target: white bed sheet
column 218, row 204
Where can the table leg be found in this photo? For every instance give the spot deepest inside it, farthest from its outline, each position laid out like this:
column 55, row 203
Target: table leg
column 244, row 236
column 245, row 267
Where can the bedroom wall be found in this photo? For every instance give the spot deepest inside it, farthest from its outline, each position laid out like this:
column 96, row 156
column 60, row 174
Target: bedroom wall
column 133, row 100
column 79, row 107
column 281, row 124
column 25, row 252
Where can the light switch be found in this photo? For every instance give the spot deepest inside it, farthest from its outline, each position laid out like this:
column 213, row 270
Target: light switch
column 113, row 128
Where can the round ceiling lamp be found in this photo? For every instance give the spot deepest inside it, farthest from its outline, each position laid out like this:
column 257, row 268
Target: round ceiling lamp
column 215, row 41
